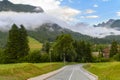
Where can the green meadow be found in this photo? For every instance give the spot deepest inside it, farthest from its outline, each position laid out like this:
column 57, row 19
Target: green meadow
column 34, row 44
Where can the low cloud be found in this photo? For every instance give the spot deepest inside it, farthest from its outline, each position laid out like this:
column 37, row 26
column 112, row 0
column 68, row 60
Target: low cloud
column 29, row 20
column 100, row 32
column 34, row 20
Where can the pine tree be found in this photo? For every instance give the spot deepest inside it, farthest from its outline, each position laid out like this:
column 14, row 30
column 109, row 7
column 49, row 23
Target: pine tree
column 113, row 49
column 83, row 51
column 12, row 47
column 23, row 42
column 17, row 45
column 88, row 54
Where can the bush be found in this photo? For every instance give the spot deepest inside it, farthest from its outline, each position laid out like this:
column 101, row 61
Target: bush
column 33, row 57
column 116, row 57
column 45, row 57
column 100, row 59
column 3, row 58
column 105, row 59
column 36, row 57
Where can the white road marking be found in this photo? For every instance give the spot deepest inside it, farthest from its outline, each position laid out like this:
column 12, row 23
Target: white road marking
column 71, row 74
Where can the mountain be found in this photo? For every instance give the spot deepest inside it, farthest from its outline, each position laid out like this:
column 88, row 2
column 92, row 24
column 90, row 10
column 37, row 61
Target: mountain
column 46, row 32
column 6, row 5
column 116, row 24
column 105, row 24
column 50, row 31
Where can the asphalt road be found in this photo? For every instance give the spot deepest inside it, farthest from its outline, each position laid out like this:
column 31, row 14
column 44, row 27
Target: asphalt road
column 73, row 72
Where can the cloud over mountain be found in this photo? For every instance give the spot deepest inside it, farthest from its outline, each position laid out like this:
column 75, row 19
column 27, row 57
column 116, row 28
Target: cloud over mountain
column 52, row 7
column 30, row 20
column 94, row 31
column 54, row 13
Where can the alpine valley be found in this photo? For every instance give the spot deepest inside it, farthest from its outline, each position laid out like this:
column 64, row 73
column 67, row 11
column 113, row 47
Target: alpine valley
column 50, row 30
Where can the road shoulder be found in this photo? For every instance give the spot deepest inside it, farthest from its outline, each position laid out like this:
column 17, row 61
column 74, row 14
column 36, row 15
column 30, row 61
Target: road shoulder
column 47, row 75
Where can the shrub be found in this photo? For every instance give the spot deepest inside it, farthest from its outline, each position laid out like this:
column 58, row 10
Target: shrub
column 45, row 57
column 3, row 58
column 33, row 57
column 116, row 57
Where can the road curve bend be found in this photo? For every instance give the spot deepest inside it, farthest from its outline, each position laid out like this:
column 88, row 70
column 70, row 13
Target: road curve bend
column 71, row 72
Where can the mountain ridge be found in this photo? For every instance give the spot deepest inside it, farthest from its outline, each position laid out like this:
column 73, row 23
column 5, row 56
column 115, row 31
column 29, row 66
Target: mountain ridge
column 6, row 5
column 105, row 24
column 49, row 32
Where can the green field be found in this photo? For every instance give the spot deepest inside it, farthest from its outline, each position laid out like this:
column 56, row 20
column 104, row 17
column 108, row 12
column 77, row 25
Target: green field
column 34, row 44
column 105, row 71
column 23, row 71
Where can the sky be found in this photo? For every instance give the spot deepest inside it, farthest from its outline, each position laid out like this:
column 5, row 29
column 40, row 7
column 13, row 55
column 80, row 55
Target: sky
column 73, row 11
column 77, row 15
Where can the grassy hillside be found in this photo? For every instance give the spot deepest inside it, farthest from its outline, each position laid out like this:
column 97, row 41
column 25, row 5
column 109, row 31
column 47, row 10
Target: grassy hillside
column 24, row 71
column 105, row 71
column 34, row 44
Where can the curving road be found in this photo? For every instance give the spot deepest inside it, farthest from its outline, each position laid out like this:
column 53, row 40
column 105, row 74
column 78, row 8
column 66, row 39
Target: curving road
column 73, row 72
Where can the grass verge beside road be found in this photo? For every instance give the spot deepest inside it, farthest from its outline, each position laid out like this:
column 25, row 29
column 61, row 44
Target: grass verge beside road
column 23, row 71
column 105, row 71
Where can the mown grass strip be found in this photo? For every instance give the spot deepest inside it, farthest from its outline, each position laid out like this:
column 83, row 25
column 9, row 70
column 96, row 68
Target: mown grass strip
column 23, row 71
column 105, row 71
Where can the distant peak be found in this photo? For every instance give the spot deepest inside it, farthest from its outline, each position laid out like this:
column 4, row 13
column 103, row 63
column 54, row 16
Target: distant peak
column 7, row 5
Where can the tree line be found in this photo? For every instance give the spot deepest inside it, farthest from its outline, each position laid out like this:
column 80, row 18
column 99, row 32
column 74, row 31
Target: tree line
column 17, row 45
column 115, row 51
column 64, row 48
column 72, row 50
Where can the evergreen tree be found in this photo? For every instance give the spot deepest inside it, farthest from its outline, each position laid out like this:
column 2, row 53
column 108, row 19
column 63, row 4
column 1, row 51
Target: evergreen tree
column 83, row 51
column 12, row 47
column 17, row 45
column 113, row 49
column 23, row 42
column 88, row 53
